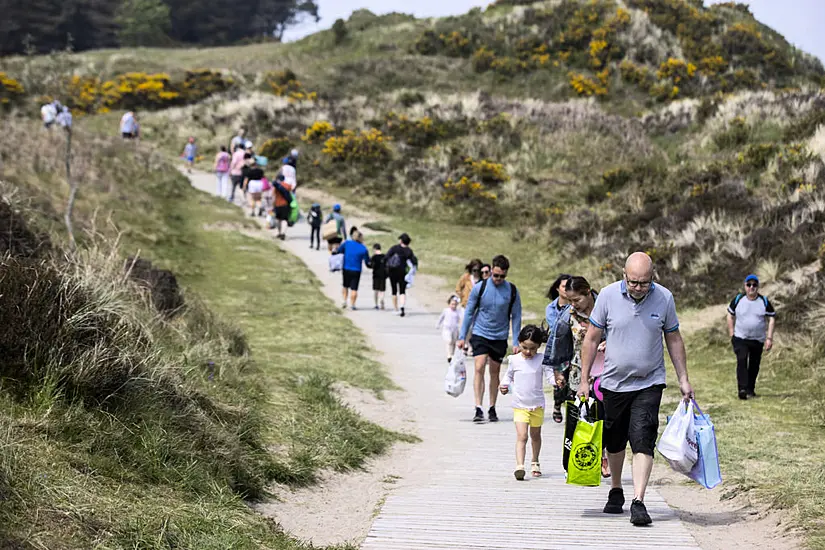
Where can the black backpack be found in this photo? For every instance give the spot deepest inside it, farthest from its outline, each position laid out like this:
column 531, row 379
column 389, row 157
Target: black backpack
column 395, row 261
column 513, row 292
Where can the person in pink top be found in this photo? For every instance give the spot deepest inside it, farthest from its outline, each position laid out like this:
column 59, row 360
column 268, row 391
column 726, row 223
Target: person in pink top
column 236, row 165
column 222, row 161
column 582, row 298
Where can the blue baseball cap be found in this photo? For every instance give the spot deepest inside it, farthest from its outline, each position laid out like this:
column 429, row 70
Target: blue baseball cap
column 751, row 277
column 336, row 208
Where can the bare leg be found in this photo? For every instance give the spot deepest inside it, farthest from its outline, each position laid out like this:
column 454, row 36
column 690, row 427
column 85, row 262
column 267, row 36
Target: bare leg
column 495, row 380
column 402, row 300
column 395, row 302
column 344, row 293
column 642, row 466
column 521, row 442
column 535, row 442
column 478, row 379
column 375, row 295
column 353, row 297
column 616, row 461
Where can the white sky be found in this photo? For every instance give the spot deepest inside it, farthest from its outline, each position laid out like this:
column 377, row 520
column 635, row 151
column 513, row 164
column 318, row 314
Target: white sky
column 802, row 22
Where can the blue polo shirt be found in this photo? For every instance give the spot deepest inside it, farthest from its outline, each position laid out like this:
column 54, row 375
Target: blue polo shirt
column 355, row 254
column 635, row 358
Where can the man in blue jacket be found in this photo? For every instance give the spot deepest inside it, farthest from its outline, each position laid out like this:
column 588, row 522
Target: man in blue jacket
column 492, row 310
column 355, row 254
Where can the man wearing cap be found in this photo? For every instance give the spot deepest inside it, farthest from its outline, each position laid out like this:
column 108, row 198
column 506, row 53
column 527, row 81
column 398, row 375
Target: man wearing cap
column 751, row 320
column 636, row 314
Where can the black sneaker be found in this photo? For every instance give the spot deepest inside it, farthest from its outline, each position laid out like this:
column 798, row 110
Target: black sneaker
column 615, row 501
column 743, row 394
column 751, row 393
column 402, row 312
column 479, row 417
column 638, row 513
column 491, row 415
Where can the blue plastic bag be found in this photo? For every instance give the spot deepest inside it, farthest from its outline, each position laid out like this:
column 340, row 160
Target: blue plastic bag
column 706, row 471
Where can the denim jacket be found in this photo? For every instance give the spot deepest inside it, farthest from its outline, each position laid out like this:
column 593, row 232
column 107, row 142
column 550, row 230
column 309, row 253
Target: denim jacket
column 559, row 350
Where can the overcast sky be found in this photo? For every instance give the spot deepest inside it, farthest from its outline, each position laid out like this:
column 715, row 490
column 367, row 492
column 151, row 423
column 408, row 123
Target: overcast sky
column 802, row 22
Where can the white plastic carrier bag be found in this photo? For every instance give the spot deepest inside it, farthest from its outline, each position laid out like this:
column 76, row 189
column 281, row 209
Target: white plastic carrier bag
column 456, row 377
column 678, row 442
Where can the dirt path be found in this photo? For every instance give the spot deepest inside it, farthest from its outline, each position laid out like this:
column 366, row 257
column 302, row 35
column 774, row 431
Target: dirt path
column 456, row 455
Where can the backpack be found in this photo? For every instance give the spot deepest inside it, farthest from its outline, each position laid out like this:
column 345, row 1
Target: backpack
column 742, row 295
column 223, row 163
column 513, row 293
column 395, row 261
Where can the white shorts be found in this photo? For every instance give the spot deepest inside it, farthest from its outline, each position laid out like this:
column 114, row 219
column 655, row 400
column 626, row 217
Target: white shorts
column 255, row 186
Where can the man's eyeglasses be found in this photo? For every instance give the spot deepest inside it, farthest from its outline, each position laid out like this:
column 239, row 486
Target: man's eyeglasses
column 639, row 284
column 499, row 276
column 752, row 285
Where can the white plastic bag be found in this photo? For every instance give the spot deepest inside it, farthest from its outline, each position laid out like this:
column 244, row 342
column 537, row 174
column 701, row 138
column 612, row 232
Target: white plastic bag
column 336, row 262
column 678, row 442
column 456, row 377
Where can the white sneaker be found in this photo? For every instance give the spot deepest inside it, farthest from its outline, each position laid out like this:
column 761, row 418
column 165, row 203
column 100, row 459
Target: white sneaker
column 344, row 305
column 396, row 312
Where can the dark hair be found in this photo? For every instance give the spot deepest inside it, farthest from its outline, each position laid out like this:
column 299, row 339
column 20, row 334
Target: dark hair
column 485, row 265
column 473, row 265
column 533, row 334
column 223, row 148
column 404, row 238
column 353, row 230
column 247, row 156
column 553, row 291
column 501, row 262
column 376, row 246
column 579, row 285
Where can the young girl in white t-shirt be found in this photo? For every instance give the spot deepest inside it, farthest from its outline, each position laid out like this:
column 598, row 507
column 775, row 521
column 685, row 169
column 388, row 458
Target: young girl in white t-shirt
column 525, row 380
column 449, row 323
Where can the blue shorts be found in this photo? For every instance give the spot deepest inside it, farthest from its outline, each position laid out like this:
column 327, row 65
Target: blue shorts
column 190, row 159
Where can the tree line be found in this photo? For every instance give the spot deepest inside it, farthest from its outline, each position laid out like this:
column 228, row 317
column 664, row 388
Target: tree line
column 41, row 26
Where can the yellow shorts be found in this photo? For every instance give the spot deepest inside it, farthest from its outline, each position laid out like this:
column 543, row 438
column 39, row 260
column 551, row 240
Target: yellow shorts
column 535, row 417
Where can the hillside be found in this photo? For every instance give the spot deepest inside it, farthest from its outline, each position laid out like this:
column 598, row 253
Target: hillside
column 567, row 132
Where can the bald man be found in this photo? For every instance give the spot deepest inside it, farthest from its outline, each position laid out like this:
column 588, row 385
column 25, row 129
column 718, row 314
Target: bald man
column 635, row 313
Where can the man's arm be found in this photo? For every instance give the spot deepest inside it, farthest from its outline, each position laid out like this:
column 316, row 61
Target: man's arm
column 771, row 327
column 469, row 313
column 731, row 324
column 516, row 319
column 676, row 349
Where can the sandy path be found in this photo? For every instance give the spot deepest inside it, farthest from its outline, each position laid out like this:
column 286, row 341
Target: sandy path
column 344, row 506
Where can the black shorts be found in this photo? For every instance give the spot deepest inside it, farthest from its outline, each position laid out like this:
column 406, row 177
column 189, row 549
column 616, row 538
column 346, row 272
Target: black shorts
column 128, row 135
column 379, row 284
column 398, row 282
column 632, row 416
column 282, row 213
column 351, row 279
column 495, row 349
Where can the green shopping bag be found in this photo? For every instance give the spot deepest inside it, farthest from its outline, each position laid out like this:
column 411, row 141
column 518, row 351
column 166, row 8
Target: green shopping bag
column 585, row 465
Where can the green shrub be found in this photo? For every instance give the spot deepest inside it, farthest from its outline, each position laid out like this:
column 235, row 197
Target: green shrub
column 339, row 30
column 805, row 127
column 736, row 134
column 276, row 148
column 408, row 99
column 757, row 156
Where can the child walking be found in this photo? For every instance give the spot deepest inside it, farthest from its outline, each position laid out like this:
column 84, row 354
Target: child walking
column 449, row 323
column 314, row 220
column 379, row 275
column 525, row 379
column 190, row 152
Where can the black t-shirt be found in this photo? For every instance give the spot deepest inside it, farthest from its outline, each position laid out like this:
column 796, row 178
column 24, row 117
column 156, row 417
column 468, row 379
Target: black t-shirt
column 406, row 253
column 379, row 266
column 252, row 173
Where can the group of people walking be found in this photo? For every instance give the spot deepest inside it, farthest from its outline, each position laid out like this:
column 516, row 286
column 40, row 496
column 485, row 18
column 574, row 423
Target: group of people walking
column 399, row 264
column 607, row 346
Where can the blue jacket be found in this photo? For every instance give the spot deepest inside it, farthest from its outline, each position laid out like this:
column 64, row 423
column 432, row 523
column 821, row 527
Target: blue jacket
column 559, row 349
column 492, row 320
column 355, row 254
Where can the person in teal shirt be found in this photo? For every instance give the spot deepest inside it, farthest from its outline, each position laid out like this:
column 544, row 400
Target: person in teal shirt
column 356, row 256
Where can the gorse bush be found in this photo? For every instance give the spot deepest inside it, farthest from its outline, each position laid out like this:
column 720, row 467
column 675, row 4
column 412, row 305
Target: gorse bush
column 318, row 131
column 11, row 91
column 367, row 147
column 275, row 148
column 470, row 200
column 285, row 83
column 86, row 94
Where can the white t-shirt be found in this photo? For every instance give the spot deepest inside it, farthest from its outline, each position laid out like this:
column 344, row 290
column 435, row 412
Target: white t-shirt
column 525, row 378
column 48, row 112
column 290, row 175
column 128, row 124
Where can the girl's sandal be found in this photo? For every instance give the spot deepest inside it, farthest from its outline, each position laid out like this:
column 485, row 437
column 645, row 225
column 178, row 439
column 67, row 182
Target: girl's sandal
column 519, row 473
column 557, row 418
column 605, row 468
column 535, row 469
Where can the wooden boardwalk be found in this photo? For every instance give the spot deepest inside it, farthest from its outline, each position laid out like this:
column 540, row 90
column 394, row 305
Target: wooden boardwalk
column 463, row 495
